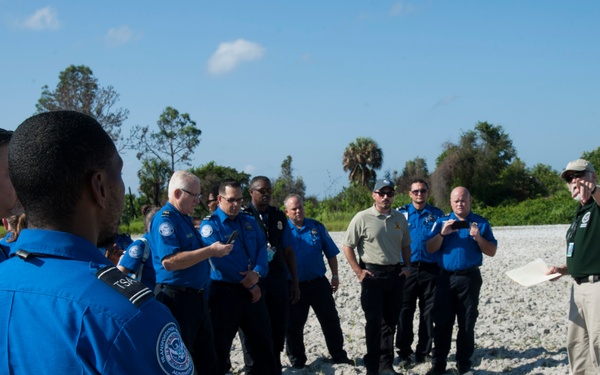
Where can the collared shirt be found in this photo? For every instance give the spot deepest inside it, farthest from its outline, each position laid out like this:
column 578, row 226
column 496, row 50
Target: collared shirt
column 273, row 222
column 378, row 238
column 133, row 257
column 584, row 238
column 310, row 243
column 55, row 301
column 459, row 251
column 419, row 225
column 172, row 232
column 249, row 248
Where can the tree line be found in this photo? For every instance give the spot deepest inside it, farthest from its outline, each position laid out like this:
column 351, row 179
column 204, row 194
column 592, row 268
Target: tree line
column 483, row 159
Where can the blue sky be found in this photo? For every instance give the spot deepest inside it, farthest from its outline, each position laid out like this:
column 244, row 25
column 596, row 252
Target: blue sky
column 267, row 79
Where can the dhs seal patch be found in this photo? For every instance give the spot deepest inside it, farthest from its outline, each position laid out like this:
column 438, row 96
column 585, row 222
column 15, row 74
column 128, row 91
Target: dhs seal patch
column 166, row 229
column 206, row 231
column 171, row 352
column 135, row 252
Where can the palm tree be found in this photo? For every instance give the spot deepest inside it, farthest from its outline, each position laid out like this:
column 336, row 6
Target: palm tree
column 362, row 157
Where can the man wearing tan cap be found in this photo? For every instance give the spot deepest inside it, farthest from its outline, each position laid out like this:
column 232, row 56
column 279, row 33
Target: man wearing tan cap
column 583, row 264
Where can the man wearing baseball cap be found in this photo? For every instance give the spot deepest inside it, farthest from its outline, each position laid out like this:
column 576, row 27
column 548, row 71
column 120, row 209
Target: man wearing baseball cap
column 382, row 240
column 583, row 264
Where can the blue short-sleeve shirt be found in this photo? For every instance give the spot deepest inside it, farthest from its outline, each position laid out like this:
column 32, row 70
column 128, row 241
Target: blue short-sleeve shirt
column 419, row 225
column 172, row 232
column 459, row 251
column 133, row 258
column 310, row 243
column 249, row 248
column 56, row 301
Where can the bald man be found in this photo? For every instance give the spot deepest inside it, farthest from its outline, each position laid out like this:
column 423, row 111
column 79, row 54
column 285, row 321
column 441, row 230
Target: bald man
column 461, row 238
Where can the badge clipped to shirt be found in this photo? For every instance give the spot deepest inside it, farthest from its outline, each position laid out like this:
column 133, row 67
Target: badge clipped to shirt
column 270, row 252
column 570, row 249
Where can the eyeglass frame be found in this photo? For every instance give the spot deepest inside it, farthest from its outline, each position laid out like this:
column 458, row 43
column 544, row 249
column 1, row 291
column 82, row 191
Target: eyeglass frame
column 195, row 196
column 382, row 194
column 421, row 191
column 232, row 200
column 579, row 174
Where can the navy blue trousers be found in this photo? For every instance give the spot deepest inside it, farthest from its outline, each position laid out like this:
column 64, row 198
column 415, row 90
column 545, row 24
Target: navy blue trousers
column 457, row 297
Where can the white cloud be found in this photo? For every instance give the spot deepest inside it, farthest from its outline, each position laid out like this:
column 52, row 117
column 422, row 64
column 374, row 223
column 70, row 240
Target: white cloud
column 43, row 19
column 230, row 54
column 121, row 35
column 400, row 7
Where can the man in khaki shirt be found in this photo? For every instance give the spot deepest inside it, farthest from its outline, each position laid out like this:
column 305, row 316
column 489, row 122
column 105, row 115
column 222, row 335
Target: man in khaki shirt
column 381, row 238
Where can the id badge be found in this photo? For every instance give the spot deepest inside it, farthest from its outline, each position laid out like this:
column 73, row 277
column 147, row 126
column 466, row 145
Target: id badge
column 570, row 249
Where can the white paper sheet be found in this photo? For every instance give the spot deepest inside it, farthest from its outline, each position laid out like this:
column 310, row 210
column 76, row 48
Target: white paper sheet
column 532, row 273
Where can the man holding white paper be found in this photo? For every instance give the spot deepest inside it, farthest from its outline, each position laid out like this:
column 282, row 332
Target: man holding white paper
column 583, row 264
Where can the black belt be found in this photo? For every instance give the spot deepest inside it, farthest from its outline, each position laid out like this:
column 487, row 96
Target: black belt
column 383, row 267
column 587, row 279
column 313, row 280
column 423, row 265
column 462, row 272
column 184, row 289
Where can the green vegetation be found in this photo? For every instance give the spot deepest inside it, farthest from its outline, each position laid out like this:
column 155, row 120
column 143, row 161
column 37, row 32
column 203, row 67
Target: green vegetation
column 484, row 160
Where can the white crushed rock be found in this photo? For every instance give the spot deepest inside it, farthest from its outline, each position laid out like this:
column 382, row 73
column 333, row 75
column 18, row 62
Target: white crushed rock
column 520, row 330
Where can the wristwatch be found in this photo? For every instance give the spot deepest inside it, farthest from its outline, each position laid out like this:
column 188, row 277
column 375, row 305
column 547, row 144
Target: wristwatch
column 257, row 273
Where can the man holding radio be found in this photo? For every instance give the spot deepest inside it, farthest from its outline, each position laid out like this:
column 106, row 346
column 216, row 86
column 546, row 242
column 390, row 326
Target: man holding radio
column 461, row 238
column 236, row 299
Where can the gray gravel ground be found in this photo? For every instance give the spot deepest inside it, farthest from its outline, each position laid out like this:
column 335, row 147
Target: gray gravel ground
column 520, row 330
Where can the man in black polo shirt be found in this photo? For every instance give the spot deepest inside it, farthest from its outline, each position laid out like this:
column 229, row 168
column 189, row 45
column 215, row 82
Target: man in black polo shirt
column 583, row 264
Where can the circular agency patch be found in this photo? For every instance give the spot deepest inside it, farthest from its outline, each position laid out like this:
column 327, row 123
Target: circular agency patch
column 135, row 251
column 206, row 230
column 171, row 352
column 166, row 229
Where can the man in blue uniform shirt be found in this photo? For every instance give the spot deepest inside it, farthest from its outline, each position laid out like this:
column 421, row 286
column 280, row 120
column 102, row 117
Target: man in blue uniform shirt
column 182, row 268
column 310, row 242
column 235, row 296
column 461, row 250
column 423, row 276
column 58, row 293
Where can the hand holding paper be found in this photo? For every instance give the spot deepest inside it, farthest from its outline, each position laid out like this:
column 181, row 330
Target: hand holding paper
column 532, row 273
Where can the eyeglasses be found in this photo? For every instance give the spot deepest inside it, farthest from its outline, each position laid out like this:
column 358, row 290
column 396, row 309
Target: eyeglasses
column 232, row 200
column 212, row 200
column 196, row 196
column 575, row 175
column 384, row 193
column 421, row 191
column 264, row 191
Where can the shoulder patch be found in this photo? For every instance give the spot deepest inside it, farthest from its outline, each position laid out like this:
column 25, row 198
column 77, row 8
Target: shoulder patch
column 135, row 251
column 171, row 353
column 206, row 230
column 134, row 291
column 166, row 229
column 166, row 213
